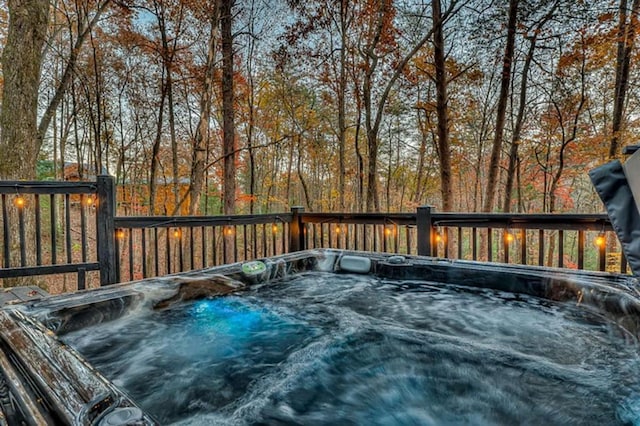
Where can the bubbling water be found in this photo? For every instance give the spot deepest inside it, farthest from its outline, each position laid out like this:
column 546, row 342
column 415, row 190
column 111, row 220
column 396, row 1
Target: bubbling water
column 320, row 348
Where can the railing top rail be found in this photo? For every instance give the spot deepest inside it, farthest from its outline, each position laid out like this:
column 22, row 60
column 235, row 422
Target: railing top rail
column 360, row 218
column 565, row 221
column 195, row 221
column 43, row 187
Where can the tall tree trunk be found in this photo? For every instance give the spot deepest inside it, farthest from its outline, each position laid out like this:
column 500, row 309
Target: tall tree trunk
column 444, row 152
column 155, row 151
column 342, row 89
column 21, row 62
column 174, row 141
column 202, row 132
column 251, row 106
column 305, row 188
column 505, row 81
column 228, row 125
column 515, row 139
column 226, row 21
column 626, row 39
column 168, row 54
column 97, row 92
column 21, row 65
column 360, row 161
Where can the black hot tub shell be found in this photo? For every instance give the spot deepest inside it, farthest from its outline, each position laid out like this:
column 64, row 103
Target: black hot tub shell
column 43, row 381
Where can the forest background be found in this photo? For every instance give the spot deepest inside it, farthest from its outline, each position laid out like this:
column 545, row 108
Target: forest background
column 254, row 106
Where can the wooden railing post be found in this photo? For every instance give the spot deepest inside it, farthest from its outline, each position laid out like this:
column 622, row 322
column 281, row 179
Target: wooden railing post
column 105, row 217
column 425, row 231
column 296, row 230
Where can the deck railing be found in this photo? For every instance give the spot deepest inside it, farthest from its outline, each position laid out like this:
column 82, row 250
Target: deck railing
column 35, row 242
column 92, row 238
column 580, row 241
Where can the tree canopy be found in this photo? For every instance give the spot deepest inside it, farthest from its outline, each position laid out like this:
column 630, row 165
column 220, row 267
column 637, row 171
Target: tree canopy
column 256, row 106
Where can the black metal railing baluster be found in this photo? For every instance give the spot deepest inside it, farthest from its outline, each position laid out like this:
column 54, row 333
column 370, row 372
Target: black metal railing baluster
column 131, row 251
column 235, row 243
column 560, row 249
column 67, row 224
column 285, row 231
column 214, row 251
column 191, row 249
column 156, row 252
column 203, row 241
column 180, row 250
column 143, row 244
column 474, row 243
column 541, row 247
column 83, row 228
column 168, row 250
column 53, row 225
column 21, row 230
column 5, row 233
column 375, row 237
column 38, row 225
column 254, row 232
column 523, row 246
column 581, row 243
column 245, row 246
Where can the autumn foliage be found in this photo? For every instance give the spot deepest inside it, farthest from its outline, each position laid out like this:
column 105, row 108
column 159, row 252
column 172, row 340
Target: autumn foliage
column 335, row 104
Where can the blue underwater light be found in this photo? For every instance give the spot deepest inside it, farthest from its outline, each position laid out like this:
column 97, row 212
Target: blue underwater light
column 226, row 316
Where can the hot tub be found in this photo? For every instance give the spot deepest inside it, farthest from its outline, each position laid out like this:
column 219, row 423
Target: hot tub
column 330, row 337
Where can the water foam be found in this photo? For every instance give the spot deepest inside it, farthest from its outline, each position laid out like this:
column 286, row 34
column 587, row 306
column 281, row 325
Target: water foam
column 326, row 349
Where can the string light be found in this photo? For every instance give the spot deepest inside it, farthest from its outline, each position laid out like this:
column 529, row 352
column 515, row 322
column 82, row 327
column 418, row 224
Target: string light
column 274, row 228
column 19, row 201
column 228, row 230
column 338, row 229
column 89, row 200
column 600, row 240
column 176, row 233
column 387, row 231
column 508, row 237
column 120, row 234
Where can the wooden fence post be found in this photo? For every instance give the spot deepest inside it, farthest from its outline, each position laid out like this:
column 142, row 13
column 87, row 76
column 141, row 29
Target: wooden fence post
column 296, row 230
column 105, row 217
column 425, row 231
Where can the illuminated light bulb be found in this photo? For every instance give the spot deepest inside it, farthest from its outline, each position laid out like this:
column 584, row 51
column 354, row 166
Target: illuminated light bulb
column 387, row 231
column 19, row 202
column 176, row 233
column 600, row 240
column 337, row 229
column 89, row 201
column 228, row 231
column 509, row 237
column 119, row 234
column 274, row 228
column 438, row 237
